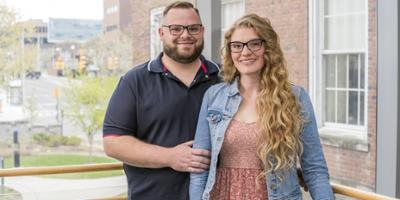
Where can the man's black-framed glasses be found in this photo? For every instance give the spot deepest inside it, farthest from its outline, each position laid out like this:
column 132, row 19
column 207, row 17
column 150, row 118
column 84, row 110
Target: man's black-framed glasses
column 176, row 29
column 252, row 45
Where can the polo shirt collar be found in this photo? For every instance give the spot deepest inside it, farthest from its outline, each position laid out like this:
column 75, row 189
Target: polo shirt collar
column 156, row 65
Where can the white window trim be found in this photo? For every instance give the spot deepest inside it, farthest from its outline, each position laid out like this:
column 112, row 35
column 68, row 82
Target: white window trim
column 154, row 12
column 224, row 29
column 315, row 77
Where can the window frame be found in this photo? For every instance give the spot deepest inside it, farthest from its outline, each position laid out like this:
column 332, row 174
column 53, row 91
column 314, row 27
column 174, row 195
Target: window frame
column 223, row 3
column 316, row 74
column 154, row 36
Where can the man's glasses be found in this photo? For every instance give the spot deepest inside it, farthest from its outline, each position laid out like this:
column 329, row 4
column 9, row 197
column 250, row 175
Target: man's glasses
column 176, row 29
column 252, row 45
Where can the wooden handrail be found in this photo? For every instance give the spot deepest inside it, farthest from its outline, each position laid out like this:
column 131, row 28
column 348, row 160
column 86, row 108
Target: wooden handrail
column 337, row 188
column 358, row 194
column 26, row 171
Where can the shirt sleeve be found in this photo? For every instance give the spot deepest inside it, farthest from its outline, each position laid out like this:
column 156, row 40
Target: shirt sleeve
column 313, row 164
column 121, row 115
column 202, row 141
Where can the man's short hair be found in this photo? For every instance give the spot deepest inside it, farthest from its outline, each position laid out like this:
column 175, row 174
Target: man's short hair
column 180, row 4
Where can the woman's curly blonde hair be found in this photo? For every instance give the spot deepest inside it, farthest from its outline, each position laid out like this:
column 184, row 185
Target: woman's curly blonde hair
column 279, row 110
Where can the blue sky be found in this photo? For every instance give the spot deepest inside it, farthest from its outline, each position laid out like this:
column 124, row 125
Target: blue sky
column 44, row 9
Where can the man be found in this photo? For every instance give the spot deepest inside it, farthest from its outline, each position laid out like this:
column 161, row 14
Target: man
column 152, row 115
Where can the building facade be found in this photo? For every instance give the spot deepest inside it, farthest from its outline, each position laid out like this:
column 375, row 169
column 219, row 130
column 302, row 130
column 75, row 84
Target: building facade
column 117, row 16
column 331, row 50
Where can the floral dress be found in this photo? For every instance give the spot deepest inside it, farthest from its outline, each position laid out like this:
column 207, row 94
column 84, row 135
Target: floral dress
column 239, row 165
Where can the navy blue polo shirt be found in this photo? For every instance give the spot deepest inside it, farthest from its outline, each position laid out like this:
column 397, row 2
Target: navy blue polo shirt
column 151, row 104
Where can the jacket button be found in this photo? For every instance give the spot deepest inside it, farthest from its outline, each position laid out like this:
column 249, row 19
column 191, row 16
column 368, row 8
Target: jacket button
column 273, row 186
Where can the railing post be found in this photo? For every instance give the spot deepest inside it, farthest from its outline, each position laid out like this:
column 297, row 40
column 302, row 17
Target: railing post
column 2, row 178
column 16, row 150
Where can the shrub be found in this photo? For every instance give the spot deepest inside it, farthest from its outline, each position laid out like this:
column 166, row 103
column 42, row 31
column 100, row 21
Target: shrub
column 73, row 141
column 41, row 138
column 55, row 140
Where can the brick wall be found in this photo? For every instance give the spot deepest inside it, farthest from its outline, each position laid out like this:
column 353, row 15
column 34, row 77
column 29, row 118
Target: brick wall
column 290, row 20
column 141, row 24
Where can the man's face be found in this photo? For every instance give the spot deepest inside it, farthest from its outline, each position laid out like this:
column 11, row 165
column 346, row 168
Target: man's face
column 187, row 46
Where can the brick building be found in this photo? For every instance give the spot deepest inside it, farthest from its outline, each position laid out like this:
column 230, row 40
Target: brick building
column 331, row 50
column 117, row 16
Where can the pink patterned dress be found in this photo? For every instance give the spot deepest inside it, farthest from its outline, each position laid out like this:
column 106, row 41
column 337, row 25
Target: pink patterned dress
column 239, row 165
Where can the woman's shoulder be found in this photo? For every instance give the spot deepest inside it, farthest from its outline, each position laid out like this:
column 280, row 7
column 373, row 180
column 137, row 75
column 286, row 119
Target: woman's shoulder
column 297, row 90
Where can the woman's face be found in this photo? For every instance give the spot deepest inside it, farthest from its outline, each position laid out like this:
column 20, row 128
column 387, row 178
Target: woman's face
column 247, row 50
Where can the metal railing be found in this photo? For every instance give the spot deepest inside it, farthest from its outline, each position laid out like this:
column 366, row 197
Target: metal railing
column 27, row 171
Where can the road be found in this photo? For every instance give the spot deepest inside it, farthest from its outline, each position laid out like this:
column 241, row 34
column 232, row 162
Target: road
column 40, row 93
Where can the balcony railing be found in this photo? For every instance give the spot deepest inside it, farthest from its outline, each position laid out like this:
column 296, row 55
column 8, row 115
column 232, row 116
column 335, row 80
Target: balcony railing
column 28, row 171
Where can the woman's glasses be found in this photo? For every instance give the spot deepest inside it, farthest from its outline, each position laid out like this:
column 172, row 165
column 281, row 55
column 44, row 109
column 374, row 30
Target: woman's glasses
column 252, row 45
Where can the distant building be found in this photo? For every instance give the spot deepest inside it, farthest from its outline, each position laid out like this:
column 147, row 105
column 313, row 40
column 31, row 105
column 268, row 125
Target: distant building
column 39, row 33
column 117, row 16
column 73, row 30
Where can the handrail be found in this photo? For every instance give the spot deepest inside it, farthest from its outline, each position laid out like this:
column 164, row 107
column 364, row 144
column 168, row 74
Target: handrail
column 337, row 188
column 358, row 194
column 26, row 171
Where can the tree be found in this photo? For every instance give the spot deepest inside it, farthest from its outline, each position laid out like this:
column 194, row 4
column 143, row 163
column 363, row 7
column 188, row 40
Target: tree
column 30, row 106
column 112, row 54
column 87, row 100
column 15, row 56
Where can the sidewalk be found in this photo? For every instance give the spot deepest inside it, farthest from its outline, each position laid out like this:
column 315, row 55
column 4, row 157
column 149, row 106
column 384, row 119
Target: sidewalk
column 37, row 188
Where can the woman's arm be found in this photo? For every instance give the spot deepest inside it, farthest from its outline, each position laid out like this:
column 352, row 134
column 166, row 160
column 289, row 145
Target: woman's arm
column 202, row 141
column 312, row 160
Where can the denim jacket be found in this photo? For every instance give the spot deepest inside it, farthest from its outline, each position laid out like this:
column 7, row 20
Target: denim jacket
column 220, row 103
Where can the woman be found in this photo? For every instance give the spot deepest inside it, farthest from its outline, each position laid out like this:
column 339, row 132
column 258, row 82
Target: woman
column 257, row 125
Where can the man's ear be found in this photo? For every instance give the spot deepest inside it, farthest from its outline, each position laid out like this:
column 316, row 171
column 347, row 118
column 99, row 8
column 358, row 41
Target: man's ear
column 160, row 32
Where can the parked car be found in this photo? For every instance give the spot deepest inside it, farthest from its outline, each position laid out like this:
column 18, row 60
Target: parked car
column 33, row 74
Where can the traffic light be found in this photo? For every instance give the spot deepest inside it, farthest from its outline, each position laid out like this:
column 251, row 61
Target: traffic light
column 59, row 64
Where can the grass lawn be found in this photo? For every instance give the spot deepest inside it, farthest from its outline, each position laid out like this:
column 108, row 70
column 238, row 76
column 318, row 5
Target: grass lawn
column 65, row 159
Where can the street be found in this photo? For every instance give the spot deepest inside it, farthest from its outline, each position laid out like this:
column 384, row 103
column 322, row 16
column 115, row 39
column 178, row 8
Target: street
column 39, row 93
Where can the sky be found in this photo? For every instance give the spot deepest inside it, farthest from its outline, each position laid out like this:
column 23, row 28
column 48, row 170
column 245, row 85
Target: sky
column 45, row 9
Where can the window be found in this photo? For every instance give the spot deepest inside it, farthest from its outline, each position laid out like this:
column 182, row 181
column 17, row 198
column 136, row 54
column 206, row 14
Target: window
column 111, row 10
column 231, row 11
column 155, row 22
column 339, row 64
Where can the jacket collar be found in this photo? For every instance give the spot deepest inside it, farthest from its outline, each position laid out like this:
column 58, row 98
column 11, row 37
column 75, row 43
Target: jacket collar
column 234, row 87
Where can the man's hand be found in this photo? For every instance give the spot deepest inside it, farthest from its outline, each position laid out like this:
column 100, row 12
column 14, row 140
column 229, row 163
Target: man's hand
column 185, row 159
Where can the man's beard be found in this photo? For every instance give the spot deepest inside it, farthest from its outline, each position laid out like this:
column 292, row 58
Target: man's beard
column 172, row 52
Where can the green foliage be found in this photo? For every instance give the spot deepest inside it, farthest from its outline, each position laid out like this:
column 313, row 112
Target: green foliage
column 15, row 56
column 51, row 140
column 113, row 55
column 73, row 141
column 87, row 100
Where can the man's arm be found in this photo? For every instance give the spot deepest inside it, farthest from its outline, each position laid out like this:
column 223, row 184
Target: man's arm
column 132, row 151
